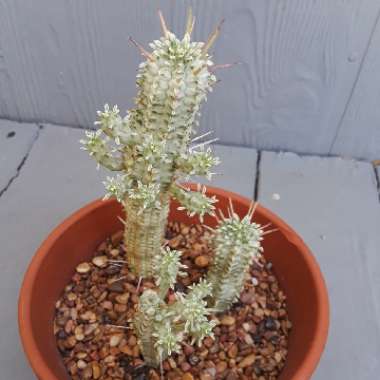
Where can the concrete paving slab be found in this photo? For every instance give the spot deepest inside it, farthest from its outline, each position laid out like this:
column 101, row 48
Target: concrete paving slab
column 333, row 204
column 16, row 140
column 237, row 170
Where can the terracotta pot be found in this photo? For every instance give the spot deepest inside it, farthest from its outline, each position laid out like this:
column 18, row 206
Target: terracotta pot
column 76, row 238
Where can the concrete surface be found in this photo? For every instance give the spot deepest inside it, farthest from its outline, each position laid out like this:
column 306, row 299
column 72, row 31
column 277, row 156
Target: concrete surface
column 333, row 204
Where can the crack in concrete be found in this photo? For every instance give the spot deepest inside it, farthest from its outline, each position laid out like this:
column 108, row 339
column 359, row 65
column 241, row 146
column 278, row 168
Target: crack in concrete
column 377, row 179
column 22, row 163
column 257, row 180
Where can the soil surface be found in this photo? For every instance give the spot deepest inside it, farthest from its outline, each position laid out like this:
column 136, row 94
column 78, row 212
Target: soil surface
column 92, row 324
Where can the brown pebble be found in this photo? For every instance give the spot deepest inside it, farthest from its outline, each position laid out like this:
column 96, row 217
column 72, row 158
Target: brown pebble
column 247, row 361
column 248, row 297
column 221, row 367
column 109, row 359
column 122, row 298
column 88, row 316
column 96, row 370
column 208, row 342
column 70, row 341
column 278, row 357
column 119, row 308
column 81, row 355
column 69, row 326
column 202, row 261
column 89, row 329
column 259, row 313
column 188, row 350
column 114, row 252
column 172, row 363
column 83, row 268
column 71, row 296
column 187, row 376
column 81, row 364
column 72, row 367
column 115, row 340
column 185, row 366
column 132, row 341
column 107, row 305
column 87, row 373
column 116, row 286
column 100, row 261
column 228, row 320
column 79, row 333
column 232, row 351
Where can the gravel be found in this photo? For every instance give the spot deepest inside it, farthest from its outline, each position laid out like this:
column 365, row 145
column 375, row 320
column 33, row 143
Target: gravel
column 93, row 315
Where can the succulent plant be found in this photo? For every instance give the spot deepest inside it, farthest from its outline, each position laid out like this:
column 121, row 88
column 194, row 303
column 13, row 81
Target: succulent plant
column 153, row 146
column 161, row 327
column 236, row 242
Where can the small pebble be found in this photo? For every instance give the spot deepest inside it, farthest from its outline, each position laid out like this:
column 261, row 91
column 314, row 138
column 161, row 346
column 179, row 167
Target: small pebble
column 232, row 351
column 96, row 370
column 81, row 364
column 100, row 261
column 115, row 340
column 116, row 286
column 83, row 268
column 202, row 261
column 247, row 361
column 278, row 357
column 228, row 320
column 185, row 366
column 221, row 367
column 114, row 252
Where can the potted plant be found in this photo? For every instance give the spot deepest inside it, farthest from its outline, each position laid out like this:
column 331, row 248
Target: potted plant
column 192, row 298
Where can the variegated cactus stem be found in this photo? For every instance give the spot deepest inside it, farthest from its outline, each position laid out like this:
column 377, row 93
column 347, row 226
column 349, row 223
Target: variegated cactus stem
column 167, row 267
column 143, row 236
column 153, row 147
column 236, row 242
column 150, row 308
column 161, row 327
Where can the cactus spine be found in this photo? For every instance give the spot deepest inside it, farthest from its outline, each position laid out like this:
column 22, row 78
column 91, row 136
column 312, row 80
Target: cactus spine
column 151, row 146
column 236, row 242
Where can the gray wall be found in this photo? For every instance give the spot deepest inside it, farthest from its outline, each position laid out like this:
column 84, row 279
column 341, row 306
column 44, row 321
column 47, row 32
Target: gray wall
column 309, row 81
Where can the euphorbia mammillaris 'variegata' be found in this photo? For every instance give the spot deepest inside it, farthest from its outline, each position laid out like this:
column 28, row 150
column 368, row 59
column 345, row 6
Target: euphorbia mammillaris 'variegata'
column 152, row 147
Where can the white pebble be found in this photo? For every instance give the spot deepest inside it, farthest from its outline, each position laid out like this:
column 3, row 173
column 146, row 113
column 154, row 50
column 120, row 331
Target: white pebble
column 276, row 197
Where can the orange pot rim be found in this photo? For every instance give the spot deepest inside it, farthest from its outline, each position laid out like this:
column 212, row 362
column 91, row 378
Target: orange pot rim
column 37, row 360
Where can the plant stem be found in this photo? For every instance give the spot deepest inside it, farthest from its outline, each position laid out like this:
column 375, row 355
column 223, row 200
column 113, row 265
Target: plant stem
column 143, row 236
